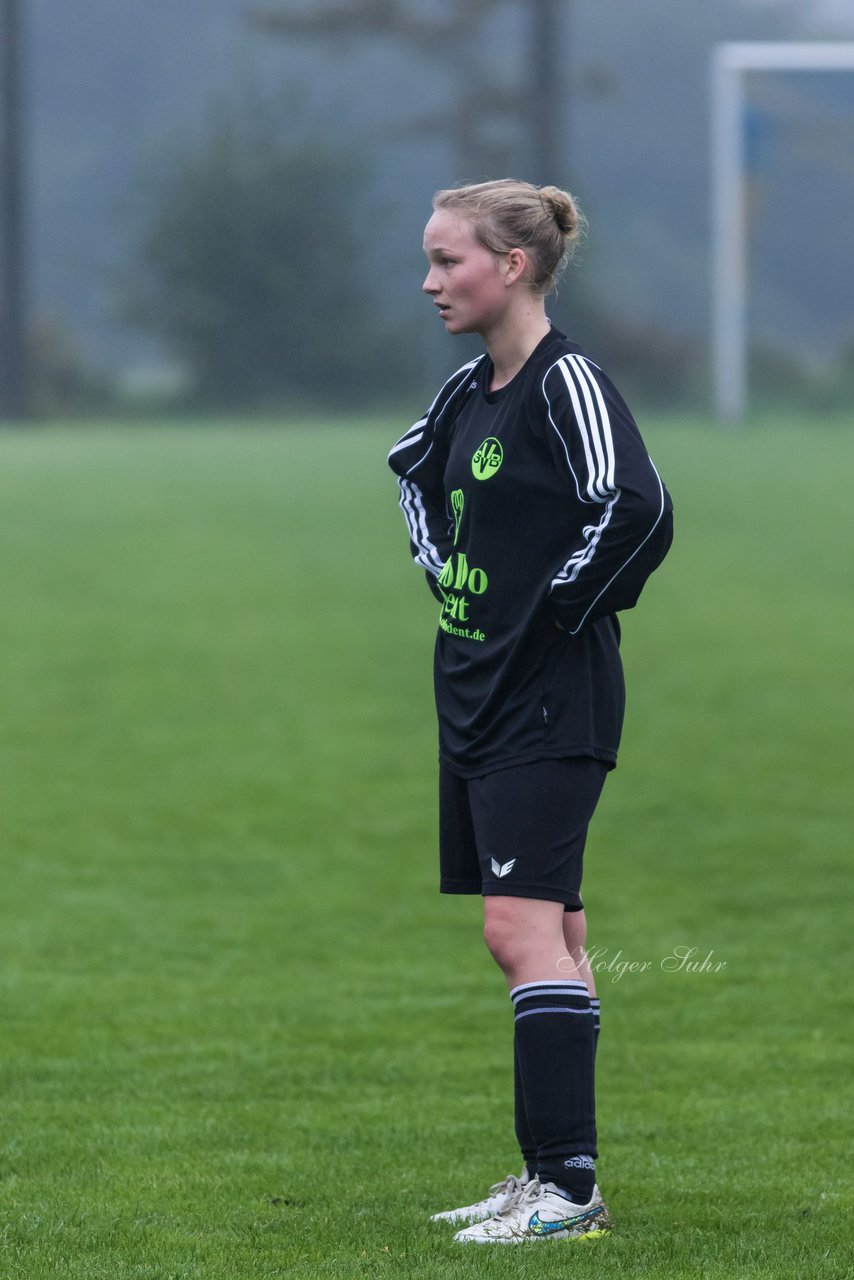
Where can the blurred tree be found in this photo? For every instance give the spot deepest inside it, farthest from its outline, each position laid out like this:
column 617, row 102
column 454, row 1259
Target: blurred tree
column 246, row 264
column 480, row 114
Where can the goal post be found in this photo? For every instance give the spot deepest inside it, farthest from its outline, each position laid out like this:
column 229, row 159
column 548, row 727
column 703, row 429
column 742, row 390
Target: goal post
column 730, row 63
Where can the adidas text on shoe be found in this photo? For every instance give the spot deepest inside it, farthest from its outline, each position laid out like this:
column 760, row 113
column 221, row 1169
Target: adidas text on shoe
column 540, row 1212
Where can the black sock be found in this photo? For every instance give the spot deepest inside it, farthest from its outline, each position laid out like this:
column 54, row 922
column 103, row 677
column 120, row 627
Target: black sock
column 524, row 1137
column 554, row 1050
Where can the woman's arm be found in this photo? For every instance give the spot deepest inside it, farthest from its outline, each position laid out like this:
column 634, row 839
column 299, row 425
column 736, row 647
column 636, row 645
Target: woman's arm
column 626, row 514
column 418, row 460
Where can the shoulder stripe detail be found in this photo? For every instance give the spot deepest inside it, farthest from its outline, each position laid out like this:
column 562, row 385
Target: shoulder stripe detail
column 605, row 421
column 594, row 426
column 454, row 381
column 429, row 422
column 406, row 442
column 594, row 431
column 410, row 436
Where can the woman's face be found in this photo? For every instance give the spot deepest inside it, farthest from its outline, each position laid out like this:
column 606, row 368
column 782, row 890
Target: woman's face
column 465, row 280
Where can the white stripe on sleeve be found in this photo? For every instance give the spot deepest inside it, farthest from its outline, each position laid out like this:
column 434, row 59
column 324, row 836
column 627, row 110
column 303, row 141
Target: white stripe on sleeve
column 415, row 514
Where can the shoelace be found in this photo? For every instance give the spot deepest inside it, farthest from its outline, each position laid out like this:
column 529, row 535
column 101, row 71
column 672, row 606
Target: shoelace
column 509, row 1186
column 530, row 1191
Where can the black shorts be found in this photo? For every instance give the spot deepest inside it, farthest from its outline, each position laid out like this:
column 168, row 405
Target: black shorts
column 519, row 832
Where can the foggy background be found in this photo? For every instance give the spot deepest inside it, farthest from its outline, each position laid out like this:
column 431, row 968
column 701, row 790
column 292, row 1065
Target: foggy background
column 225, row 200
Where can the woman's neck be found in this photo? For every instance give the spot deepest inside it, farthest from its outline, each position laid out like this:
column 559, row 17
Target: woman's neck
column 512, row 341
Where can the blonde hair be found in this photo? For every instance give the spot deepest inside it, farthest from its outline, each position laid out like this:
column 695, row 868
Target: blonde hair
column 507, row 214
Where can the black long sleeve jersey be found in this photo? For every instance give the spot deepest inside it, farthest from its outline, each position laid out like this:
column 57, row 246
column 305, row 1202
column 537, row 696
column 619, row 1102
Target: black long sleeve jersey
column 530, row 506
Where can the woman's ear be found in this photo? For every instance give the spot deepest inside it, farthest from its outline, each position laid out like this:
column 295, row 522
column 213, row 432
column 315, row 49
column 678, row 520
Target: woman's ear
column 515, row 265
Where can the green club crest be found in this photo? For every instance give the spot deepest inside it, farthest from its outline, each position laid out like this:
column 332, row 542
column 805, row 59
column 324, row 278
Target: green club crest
column 487, row 458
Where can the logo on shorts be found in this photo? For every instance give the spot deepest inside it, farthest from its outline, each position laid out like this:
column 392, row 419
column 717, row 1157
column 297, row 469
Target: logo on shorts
column 487, row 458
column 502, row 869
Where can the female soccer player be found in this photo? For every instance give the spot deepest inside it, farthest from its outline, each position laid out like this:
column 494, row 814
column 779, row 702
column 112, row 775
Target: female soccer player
column 537, row 514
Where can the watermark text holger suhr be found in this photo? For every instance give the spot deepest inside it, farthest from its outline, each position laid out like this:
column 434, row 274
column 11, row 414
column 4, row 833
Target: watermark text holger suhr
column 680, row 960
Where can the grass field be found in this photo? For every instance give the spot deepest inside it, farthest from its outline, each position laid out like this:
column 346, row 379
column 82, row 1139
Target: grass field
column 243, row 1036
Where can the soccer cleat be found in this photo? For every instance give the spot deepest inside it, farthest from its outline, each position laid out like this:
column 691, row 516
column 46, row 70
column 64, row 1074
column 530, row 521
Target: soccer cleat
column 540, row 1212
column 501, row 1194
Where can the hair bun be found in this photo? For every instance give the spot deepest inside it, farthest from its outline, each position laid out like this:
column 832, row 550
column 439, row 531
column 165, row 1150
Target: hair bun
column 507, row 214
column 562, row 208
